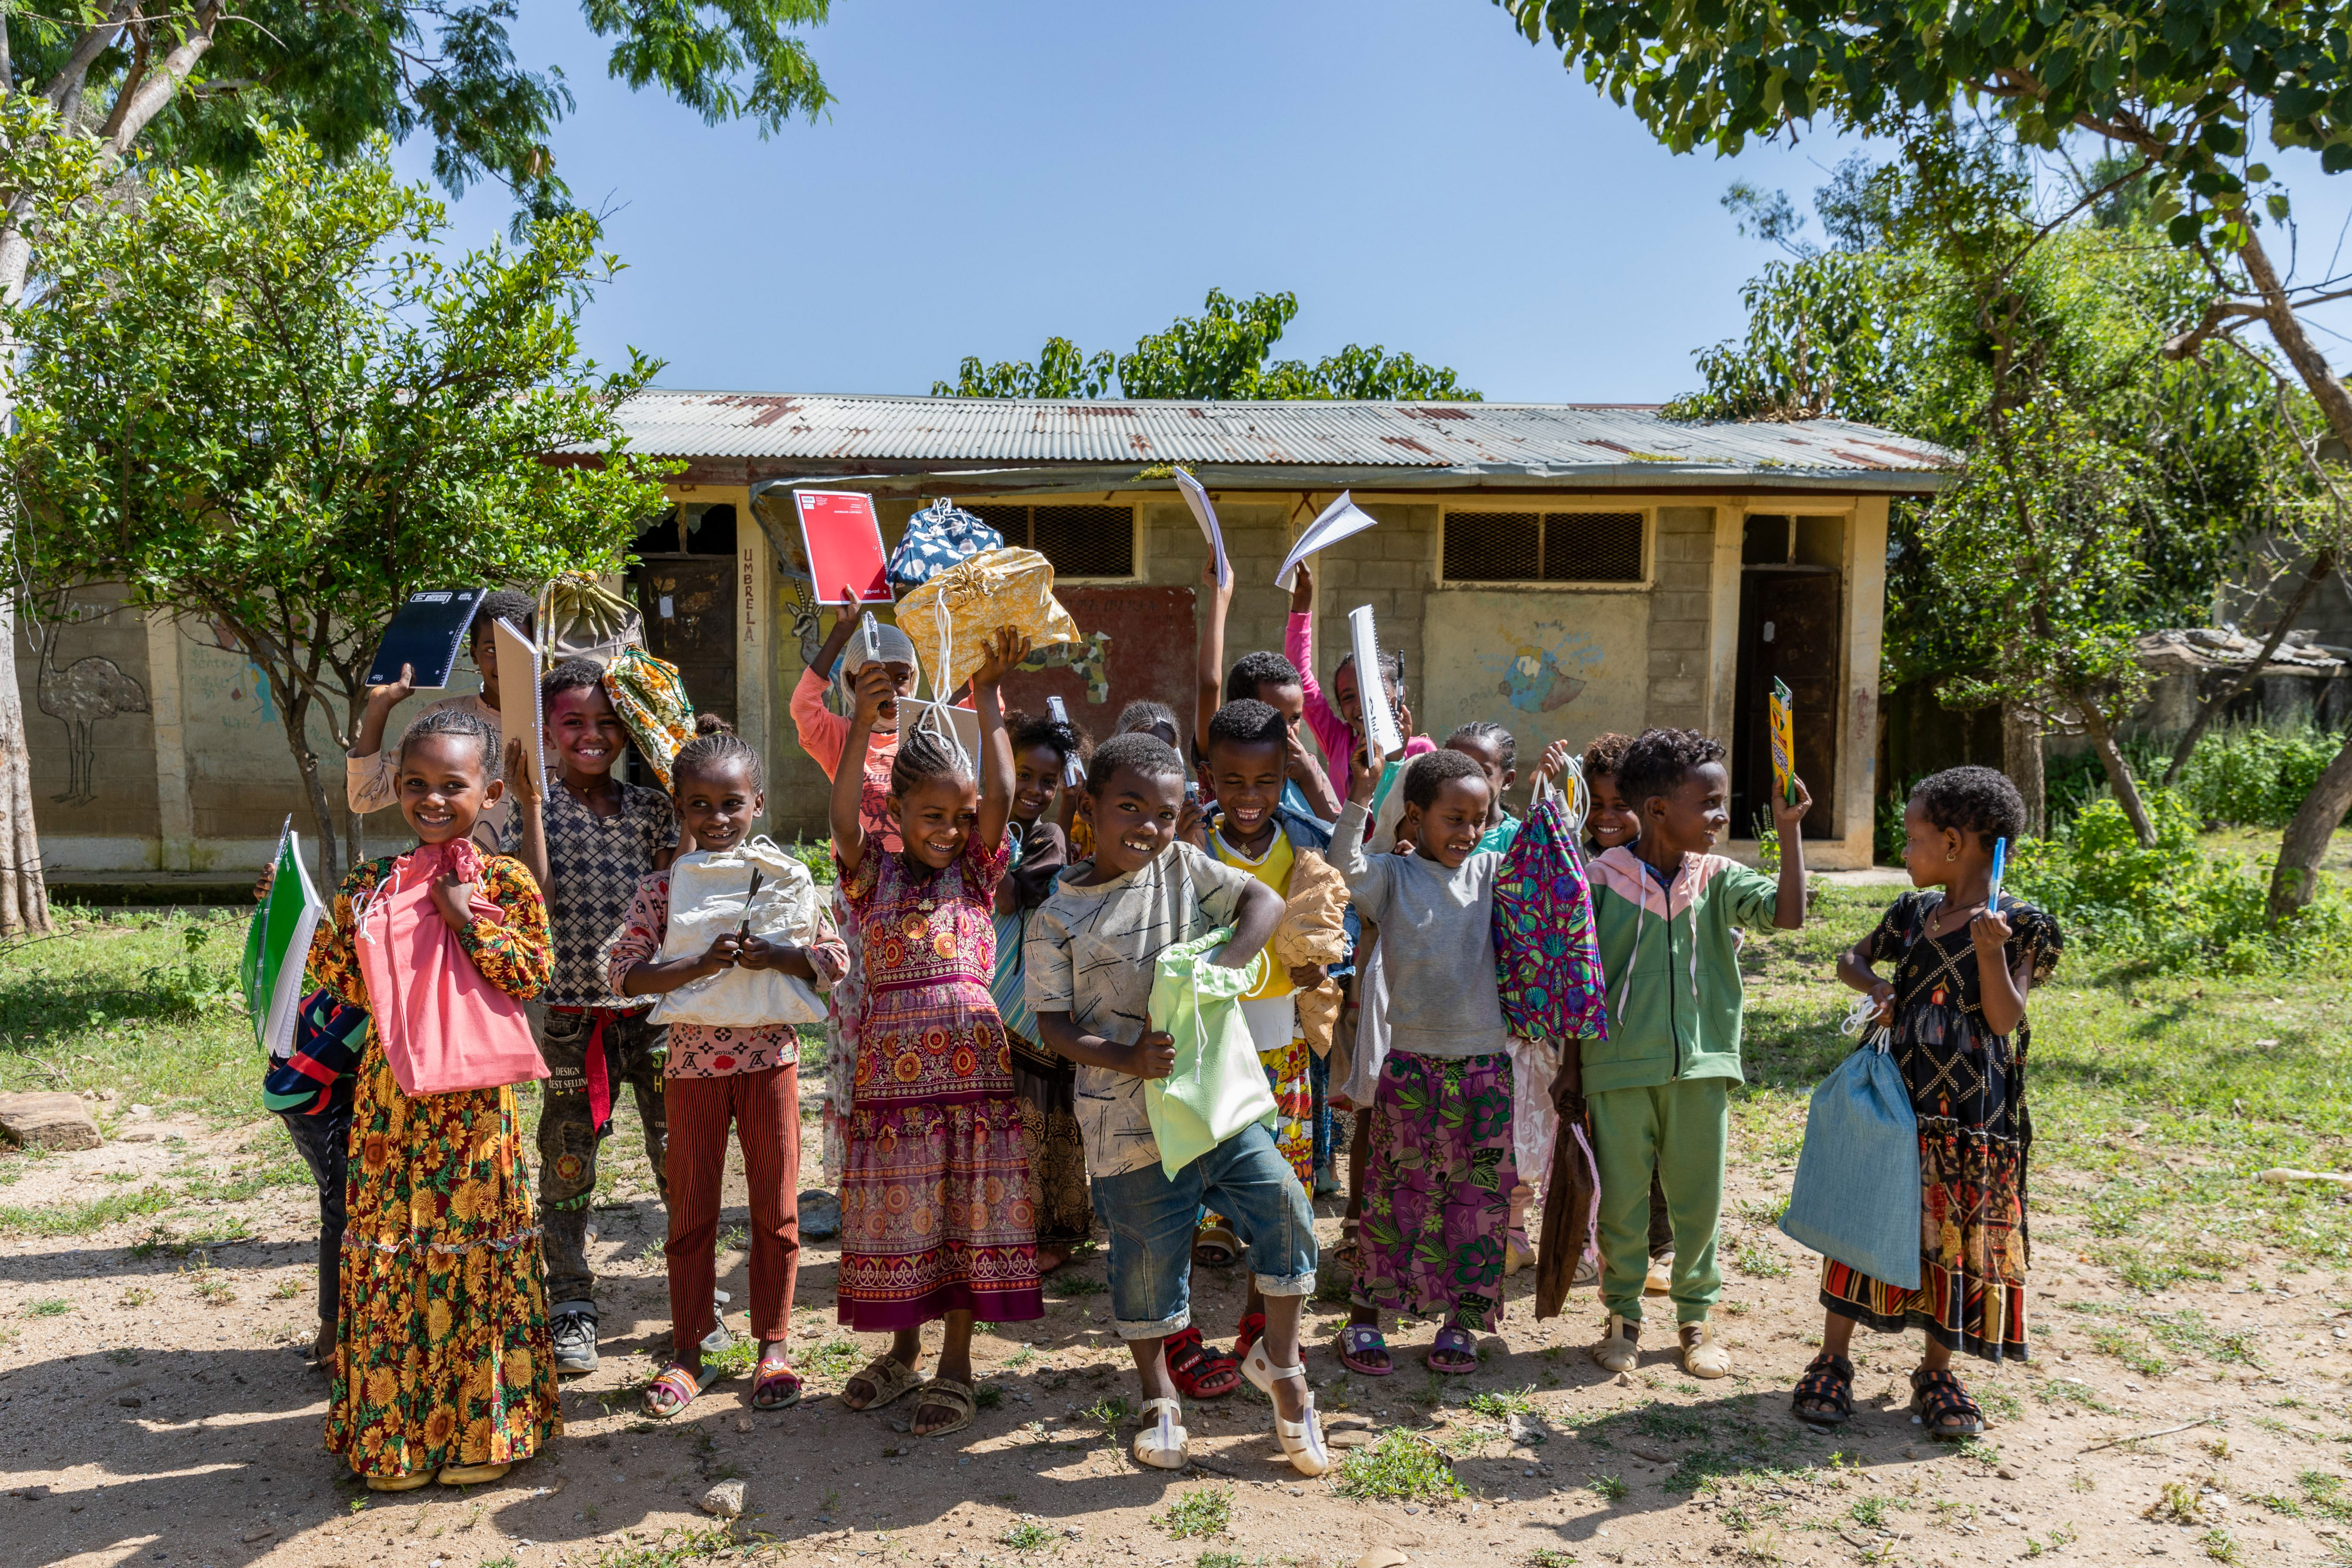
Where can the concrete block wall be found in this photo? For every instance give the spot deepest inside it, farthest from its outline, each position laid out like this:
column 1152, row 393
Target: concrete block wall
column 1682, row 566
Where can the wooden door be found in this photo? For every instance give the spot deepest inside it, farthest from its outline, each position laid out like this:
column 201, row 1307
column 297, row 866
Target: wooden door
column 688, row 603
column 1789, row 620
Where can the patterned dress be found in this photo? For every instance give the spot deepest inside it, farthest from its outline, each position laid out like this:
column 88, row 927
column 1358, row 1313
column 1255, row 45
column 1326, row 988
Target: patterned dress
column 936, row 1215
column 1437, row 1190
column 1967, row 1089
column 442, row 1354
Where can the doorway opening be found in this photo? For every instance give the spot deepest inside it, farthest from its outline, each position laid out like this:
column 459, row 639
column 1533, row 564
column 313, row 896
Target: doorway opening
column 1792, row 617
column 681, row 577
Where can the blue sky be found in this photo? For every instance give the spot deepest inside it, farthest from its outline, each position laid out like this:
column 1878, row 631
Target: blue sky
column 995, row 173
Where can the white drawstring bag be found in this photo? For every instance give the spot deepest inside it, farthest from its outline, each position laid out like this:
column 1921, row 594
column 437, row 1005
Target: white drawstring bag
column 707, row 897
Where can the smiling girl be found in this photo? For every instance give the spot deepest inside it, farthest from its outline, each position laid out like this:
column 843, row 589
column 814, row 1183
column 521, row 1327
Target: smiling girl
column 442, row 1364
column 589, row 843
column 936, row 1217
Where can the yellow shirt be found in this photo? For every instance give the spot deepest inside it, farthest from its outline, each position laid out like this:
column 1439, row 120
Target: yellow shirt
column 1272, row 868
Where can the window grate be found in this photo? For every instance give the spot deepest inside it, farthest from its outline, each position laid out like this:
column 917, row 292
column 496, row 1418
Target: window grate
column 1077, row 541
column 1592, row 547
column 1543, row 547
column 1493, row 546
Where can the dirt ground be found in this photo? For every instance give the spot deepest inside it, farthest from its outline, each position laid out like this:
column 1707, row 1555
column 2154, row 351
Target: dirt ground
column 155, row 1409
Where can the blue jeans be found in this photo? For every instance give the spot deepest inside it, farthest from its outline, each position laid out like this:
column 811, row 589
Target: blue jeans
column 1151, row 1221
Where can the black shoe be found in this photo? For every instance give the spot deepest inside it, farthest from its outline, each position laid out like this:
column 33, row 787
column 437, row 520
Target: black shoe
column 575, row 1341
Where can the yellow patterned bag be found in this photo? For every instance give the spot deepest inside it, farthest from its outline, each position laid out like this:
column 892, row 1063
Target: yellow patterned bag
column 961, row 606
column 650, row 696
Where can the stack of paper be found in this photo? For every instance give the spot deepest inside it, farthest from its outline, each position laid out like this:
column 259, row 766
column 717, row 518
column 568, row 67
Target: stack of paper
column 1341, row 518
column 1198, row 499
column 1371, row 690
column 518, row 716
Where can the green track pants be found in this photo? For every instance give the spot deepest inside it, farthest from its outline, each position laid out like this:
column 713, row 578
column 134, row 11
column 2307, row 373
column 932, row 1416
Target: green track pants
column 1682, row 1131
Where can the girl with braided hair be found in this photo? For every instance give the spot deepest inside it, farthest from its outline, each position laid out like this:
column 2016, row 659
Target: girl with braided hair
column 937, row 1219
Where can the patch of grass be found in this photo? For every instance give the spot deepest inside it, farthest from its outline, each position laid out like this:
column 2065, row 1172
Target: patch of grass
column 834, row 1358
column 1551, row 1557
column 987, row 1396
column 1672, row 1423
column 1068, row 1285
column 1398, row 1467
column 1761, row 1261
column 1206, row 1511
column 2219, row 1546
column 1609, row 1489
column 48, row 1307
column 286, row 1291
column 1498, row 1406
column 1871, row 1512
column 2128, row 1348
column 82, row 1218
column 691, row 1544
column 2073, row 1391
column 1219, row 1560
column 1999, row 1402
column 2324, row 1493
column 1766, row 1211
column 2176, row 1504
column 1026, row 1535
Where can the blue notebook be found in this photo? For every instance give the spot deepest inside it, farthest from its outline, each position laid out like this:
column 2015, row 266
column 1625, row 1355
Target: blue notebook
column 426, row 636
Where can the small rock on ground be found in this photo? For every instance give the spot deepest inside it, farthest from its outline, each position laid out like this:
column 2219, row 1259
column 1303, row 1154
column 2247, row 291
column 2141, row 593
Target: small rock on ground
column 48, row 1120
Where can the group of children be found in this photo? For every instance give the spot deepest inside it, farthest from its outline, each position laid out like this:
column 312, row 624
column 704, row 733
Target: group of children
column 988, row 959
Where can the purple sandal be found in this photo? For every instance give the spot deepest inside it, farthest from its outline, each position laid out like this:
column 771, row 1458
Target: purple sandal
column 1357, row 1338
column 1458, row 1346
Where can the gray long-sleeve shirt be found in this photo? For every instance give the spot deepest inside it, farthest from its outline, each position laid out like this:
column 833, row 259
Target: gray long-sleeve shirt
column 1437, row 943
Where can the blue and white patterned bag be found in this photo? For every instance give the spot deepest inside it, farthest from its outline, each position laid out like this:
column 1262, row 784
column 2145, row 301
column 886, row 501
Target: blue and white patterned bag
column 937, row 537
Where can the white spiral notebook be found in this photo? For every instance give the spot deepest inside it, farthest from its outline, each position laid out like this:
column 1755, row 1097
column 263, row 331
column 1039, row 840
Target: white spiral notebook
column 1379, row 722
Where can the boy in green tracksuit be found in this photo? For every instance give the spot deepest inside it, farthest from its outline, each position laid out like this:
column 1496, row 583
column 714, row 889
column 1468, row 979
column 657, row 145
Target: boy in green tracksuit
column 1658, row 1086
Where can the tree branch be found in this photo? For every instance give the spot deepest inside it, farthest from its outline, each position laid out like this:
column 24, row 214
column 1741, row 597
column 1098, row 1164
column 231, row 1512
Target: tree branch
column 156, row 91
column 2185, row 344
column 65, row 89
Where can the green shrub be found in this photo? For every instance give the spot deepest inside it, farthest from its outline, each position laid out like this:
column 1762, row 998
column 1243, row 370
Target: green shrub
column 2166, row 904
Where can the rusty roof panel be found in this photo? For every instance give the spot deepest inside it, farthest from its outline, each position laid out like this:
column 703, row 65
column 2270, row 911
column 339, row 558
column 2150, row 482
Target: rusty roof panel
column 1555, row 440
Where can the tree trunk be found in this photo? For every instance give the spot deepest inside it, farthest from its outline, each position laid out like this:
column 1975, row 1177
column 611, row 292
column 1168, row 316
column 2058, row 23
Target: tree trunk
column 2296, row 879
column 294, row 709
column 2020, row 758
column 23, row 891
column 2119, row 773
column 2320, row 564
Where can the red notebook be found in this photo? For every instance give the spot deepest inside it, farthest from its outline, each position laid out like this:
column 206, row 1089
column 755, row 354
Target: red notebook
column 844, row 540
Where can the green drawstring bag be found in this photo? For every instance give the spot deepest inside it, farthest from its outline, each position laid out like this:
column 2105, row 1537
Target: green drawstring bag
column 1216, row 1087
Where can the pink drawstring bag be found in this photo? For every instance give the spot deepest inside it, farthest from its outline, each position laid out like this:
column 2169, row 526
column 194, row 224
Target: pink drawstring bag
column 445, row 1028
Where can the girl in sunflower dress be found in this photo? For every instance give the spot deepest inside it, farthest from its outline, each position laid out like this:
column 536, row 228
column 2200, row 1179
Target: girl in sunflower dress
column 443, row 1365
column 937, row 1219
column 1956, row 1007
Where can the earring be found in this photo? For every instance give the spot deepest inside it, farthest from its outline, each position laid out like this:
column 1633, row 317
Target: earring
column 1952, row 855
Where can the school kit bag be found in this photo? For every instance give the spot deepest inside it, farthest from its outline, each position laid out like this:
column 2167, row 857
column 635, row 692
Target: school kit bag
column 1856, row 1197
column 580, row 617
column 1216, row 1087
column 948, row 617
column 649, row 695
column 711, row 894
column 444, row 1029
column 937, row 537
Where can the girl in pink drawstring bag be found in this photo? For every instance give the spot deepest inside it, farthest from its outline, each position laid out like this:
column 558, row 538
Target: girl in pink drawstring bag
column 443, row 1367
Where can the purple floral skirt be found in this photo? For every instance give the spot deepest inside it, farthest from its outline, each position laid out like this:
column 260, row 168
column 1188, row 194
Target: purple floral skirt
column 1437, row 1191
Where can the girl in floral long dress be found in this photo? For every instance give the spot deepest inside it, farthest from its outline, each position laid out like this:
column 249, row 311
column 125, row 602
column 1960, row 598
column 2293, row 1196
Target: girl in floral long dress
column 937, row 1219
column 443, row 1365
column 1957, row 1007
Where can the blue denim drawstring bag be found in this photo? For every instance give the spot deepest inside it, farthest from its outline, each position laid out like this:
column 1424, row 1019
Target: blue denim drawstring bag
column 1856, row 1197
column 937, row 537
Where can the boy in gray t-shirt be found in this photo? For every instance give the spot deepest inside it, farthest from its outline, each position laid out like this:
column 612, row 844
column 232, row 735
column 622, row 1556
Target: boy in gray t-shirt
column 1089, row 964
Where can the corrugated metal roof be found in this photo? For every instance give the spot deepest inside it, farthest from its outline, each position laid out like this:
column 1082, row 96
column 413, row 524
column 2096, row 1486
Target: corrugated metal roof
column 1553, row 441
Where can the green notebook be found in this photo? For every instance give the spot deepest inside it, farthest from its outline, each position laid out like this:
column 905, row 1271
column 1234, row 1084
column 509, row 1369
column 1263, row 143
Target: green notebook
column 278, row 945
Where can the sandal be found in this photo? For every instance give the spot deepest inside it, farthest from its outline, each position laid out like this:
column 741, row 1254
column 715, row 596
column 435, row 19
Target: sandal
column 1302, row 1441
column 1935, row 1395
column 1251, row 1330
column 1828, row 1384
column 408, row 1482
column 890, row 1378
column 774, row 1384
column 671, row 1391
column 1197, row 1371
column 1216, row 1247
column 1356, row 1339
column 1518, row 1253
column 1163, row 1443
column 472, row 1475
column 1453, row 1354
column 946, row 1394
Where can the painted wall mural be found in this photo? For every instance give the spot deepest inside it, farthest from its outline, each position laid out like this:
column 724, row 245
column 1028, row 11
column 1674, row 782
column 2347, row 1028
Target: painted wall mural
column 82, row 695
column 1546, row 666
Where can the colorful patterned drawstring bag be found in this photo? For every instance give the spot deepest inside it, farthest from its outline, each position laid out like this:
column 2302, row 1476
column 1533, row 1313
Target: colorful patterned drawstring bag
column 650, row 696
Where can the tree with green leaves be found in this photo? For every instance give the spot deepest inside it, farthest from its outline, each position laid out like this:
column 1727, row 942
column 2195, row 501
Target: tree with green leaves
column 86, row 87
column 1223, row 354
column 2183, row 91
column 276, row 406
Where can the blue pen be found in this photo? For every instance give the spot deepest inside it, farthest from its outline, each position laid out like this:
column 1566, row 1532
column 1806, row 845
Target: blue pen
column 1999, row 863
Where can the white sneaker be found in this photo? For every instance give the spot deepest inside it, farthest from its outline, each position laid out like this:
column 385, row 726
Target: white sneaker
column 1302, row 1441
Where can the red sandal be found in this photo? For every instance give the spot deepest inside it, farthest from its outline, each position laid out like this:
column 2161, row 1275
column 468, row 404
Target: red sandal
column 1197, row 1371
column 1251, row 1330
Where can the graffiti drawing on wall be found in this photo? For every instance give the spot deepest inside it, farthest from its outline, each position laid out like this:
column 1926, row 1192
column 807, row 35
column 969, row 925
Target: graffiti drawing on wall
column 1539, row 676
column 82, row 696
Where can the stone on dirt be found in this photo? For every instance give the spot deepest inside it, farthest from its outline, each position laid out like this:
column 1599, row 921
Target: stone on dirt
column 724, row 1499
column 48, row 1120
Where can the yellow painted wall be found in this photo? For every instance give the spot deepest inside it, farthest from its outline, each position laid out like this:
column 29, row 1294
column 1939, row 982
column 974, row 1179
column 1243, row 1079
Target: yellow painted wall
column 1546, row 665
